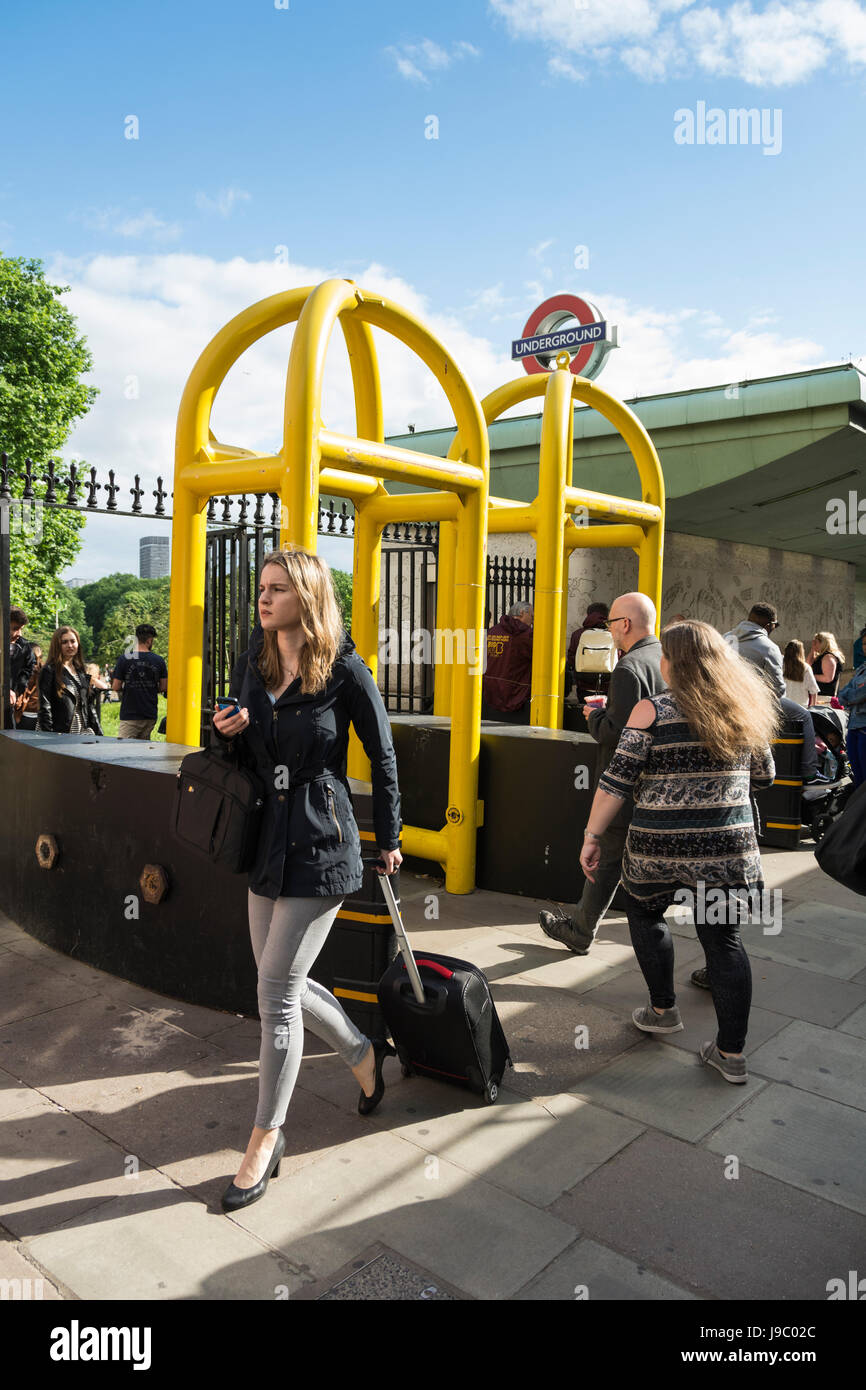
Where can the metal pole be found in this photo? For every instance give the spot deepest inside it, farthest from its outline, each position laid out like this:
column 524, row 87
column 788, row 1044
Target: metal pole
column 5, row 567
column 402, row 938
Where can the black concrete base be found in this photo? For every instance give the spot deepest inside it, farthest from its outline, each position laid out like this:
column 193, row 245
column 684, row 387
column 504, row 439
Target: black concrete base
column 536, row 785
column 105, row 806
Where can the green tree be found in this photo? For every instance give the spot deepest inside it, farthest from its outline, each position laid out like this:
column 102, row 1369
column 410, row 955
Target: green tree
column 42, row 358
column 343, row 590
column 147, row 602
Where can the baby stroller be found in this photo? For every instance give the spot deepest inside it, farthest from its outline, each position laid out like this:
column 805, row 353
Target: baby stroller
column 823, row 801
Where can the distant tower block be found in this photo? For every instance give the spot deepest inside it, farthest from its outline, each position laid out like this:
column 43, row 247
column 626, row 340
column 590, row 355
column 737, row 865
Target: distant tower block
column 154, row 557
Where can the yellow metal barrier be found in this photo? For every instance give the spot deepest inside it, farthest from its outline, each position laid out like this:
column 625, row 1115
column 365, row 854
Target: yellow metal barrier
column 638, row 525
column 311, row 458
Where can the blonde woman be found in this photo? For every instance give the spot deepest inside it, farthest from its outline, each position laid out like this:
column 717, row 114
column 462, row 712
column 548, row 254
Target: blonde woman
column 297, row 689
column 67, row 705
column 690, row 757
column 826, row 660
column 800, row 683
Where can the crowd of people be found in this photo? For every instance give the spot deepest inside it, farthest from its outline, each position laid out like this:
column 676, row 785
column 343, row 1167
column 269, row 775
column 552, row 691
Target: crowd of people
column 64, row 694
column 684, row 727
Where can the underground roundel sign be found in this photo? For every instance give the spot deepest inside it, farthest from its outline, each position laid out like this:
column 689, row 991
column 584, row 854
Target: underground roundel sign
column 565, row 323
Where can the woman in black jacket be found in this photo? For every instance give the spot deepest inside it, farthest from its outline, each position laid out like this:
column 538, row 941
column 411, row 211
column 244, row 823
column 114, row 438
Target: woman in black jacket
column 67, row 704
column 298, row 687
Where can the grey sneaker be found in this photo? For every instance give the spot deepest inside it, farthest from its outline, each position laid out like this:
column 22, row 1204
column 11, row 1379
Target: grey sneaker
column 650, row 1022
column 732, row 1068
column 699, row 978
column 562, row 929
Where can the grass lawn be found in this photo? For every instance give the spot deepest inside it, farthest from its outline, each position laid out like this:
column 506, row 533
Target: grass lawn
column 109, row 718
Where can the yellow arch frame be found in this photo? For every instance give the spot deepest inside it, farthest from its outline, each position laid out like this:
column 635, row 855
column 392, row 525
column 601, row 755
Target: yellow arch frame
column 312, row 457
column 637, row 525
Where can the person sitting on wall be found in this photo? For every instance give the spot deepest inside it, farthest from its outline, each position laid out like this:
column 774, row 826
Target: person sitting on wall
column 142, row 676
column 67, row 705
column 508, row 674
column 594, row 621
column 750, row 639
column 300, row 686
column 27, row 703
column 21, row 663
column 826, row 660
column 636, row 676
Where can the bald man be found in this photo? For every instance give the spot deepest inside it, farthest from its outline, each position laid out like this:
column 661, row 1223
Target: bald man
column 636, row 676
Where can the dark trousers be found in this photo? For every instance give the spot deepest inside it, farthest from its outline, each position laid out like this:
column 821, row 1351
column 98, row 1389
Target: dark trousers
column 792, row 710
column 515, row 716
column 598, row 894
column 729, row 974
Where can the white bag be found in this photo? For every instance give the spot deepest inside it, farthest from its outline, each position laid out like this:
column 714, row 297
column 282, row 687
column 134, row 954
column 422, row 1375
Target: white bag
column 596, row 653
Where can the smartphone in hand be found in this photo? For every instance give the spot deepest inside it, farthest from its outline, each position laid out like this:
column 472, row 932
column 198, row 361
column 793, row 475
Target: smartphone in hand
column 227, row 704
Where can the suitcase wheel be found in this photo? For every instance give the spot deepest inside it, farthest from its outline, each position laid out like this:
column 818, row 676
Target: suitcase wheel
column 407, row 1071
column 491, row 1091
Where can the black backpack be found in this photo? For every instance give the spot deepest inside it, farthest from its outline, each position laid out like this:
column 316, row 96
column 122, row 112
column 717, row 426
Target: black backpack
column 842, row 851
column 218, row 809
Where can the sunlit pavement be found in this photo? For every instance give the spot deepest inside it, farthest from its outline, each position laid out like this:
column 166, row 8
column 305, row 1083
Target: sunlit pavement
column 612, row 1166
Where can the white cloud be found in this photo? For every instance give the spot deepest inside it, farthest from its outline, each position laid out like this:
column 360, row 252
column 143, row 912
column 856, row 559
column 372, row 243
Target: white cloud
column 415, row 60
column 774, row 44
column 116, row 222
column 223, row 203
column 147, row 319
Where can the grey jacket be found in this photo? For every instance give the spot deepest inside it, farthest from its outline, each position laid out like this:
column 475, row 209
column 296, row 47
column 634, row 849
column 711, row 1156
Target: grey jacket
column 753, row 643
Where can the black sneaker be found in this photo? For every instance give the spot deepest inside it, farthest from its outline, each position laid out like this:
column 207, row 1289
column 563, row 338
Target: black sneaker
column 699, row 978
column 562, row 929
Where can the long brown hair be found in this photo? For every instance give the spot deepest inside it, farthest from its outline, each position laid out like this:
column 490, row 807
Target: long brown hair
column 55, row 657
column 723, row 697
column 321, row 622
column 794, row 664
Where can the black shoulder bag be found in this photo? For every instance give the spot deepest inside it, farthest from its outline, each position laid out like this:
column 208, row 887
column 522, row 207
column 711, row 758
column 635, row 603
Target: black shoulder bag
column 218, row 809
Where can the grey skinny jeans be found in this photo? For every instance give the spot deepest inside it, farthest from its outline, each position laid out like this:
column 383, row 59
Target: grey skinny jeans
column 287, row 935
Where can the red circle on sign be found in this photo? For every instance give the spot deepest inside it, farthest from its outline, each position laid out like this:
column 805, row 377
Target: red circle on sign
column 576, row 308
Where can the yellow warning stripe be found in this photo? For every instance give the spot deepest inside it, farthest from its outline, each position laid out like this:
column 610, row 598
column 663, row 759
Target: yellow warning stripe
column 787, row 740
column 783, row 782
column 367, row 835
column 782, row 825
column 357, row 994
column 364, row 916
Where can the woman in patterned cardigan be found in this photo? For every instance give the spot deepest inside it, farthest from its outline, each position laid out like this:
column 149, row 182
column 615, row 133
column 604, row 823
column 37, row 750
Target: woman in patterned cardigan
column 690, row 758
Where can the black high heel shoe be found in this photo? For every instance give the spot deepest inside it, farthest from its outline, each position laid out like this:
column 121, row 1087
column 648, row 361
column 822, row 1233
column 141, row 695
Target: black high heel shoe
column 381, row 1050
column 236, row 1197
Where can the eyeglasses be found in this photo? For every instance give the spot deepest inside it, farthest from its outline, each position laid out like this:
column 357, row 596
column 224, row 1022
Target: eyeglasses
column 608, row 621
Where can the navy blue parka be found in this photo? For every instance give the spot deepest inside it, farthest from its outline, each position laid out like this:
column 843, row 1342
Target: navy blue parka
column 309, row 844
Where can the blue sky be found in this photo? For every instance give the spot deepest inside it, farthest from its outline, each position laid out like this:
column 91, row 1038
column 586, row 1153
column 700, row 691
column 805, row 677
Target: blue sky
column 304, row 128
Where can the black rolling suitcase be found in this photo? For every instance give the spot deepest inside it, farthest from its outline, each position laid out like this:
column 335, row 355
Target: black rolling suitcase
column 441, row 1016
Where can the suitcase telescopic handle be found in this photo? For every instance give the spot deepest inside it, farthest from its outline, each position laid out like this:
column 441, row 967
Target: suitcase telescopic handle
column 402, row 938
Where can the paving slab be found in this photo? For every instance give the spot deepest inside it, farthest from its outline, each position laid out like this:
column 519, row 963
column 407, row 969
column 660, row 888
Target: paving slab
column 801, row 993
column 197, row 1131
column 21, row 1279
column 826, row 920
column 158, row 1243
column 592, row 1272
column 57, row 1168
column 16, row 1098
column 28, row 988
column 805, row 1140
column 380, row 1275
column 668, row 1206
column 480, row 1239
column 95, row 1047
column 804, row 948
column 536, row 1152
column 666, row 1088
column 824, row 1061
column 855, row 1023
column 557, row 1037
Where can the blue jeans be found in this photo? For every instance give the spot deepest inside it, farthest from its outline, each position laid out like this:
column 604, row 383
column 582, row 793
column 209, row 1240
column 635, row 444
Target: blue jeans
column 729, row 974
column 855, row 745
column 287, row 935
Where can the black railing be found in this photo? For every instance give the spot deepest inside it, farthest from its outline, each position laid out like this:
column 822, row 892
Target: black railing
column 509, row 579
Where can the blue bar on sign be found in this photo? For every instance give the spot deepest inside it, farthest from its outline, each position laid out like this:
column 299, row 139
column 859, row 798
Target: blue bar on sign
column 567, row 338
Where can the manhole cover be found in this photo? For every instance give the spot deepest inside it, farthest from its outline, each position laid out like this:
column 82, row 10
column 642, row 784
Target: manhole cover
column 387, row 1278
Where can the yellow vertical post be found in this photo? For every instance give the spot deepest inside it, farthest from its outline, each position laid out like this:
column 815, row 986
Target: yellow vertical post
column 466, row 697
column 546, row 698
column 445, row 578
column 183, row 718
column 366, row 572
